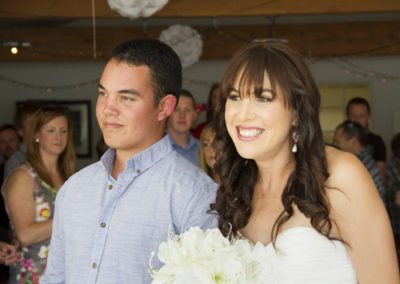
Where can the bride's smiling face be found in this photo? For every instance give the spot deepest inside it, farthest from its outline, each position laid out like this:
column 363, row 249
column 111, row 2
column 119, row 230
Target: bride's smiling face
column 258, row 120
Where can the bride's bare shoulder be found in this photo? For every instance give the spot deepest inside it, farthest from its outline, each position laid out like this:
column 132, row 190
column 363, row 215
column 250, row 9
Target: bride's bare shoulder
column 349, row 181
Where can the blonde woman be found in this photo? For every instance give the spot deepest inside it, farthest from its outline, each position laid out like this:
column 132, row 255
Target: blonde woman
column 206, row 152
column 31, row 189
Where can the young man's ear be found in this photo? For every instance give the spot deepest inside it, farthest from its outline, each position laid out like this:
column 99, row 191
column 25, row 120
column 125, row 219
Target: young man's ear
column 166, row 107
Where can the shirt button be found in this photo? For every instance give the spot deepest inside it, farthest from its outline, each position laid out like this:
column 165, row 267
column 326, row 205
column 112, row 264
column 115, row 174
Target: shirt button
column 138, row 171
column 94, row 265
column 102, row 224
column 110, row 186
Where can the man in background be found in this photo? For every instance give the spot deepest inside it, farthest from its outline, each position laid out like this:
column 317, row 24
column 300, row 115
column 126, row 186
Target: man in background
column 9, row 144
column 23, row 118
column 358, row 110
column 179, row 125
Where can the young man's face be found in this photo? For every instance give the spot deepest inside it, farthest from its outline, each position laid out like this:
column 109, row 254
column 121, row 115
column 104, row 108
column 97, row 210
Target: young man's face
column 181, row 120
column 126, row 111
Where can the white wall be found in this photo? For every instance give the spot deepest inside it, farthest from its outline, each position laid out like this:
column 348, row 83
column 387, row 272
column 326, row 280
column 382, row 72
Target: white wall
column 199, row 77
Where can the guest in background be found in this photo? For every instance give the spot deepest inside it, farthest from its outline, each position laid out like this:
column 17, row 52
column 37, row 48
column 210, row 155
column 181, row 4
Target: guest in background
column 23, row 124
column 393, row 189
column 31, row 189
column 211, row 107
column 9, row 144
column 180, row 123
column 207, row 152
column 351, row 137
column 358, row 110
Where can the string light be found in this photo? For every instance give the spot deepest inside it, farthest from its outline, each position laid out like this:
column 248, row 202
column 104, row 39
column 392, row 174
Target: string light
column 80, row 85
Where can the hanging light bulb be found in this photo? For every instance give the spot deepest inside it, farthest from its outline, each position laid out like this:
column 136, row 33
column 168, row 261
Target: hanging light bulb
column 14, row 50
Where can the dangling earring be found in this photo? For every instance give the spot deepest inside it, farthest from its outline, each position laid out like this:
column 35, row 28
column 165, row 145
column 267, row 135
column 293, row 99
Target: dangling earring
column 295, row 140
column 37, row 140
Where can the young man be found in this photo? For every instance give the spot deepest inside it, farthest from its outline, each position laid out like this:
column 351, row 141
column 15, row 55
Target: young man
column 111, row 215
column 179, row 124
column 358, row 110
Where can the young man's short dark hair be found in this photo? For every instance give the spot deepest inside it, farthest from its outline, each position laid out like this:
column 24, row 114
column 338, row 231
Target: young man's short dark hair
column 164, row 64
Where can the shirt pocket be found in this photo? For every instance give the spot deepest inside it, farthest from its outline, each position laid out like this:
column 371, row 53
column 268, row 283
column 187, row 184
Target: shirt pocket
column 133, row 251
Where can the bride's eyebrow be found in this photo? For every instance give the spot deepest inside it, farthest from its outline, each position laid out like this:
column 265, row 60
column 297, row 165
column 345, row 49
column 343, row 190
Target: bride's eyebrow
column 233, row 90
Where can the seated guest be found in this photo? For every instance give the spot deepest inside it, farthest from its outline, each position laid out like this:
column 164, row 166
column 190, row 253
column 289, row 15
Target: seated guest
column 30, row 190
column 179, row 124
column 350, row 136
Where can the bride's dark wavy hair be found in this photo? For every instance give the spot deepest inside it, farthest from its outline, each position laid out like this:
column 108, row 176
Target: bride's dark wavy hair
column 305, row 187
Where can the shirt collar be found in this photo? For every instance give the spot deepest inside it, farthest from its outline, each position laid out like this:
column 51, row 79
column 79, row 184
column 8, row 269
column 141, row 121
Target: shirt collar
column 141, row 161
column 191, row 144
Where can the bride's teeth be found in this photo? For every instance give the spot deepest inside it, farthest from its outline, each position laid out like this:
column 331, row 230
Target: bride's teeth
column 249, row 132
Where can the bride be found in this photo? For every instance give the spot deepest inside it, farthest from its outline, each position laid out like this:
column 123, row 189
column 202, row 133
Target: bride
column 315, row 208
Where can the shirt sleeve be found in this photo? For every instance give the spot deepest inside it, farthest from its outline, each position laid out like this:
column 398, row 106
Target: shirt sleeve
column 195, row 213
column 55, row 269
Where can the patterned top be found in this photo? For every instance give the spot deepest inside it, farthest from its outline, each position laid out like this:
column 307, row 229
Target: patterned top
column 393, row 181
column 34, row 257
column 373, row 169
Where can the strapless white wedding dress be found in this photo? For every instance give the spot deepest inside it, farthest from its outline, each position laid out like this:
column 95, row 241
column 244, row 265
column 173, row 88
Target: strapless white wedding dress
column 302, row 255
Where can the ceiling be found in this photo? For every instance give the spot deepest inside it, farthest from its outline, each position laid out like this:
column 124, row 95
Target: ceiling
column 71, row 30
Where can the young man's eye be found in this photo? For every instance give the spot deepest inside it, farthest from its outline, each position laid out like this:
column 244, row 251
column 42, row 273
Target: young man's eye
column 126, row 99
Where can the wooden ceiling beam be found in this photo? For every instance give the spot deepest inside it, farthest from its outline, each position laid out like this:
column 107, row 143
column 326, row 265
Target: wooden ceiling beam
column 78, row 9
column 317, row 40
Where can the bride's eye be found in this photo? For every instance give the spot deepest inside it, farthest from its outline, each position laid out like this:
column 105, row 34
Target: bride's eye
column 234, row 97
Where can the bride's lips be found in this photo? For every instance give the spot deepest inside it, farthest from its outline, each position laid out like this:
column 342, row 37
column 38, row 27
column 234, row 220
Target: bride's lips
column 248, row 133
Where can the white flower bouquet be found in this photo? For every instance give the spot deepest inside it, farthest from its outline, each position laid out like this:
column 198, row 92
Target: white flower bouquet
column 208, row 257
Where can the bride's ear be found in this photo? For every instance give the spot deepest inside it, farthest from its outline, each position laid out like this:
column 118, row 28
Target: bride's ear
column 295, row 119
column 166, row 106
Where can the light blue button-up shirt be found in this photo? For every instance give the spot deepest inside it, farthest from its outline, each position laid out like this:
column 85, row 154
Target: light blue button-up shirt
column 191, row 152
column 104, row 229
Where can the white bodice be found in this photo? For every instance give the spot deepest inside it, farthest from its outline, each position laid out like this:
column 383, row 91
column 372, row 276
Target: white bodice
column 302, row 255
